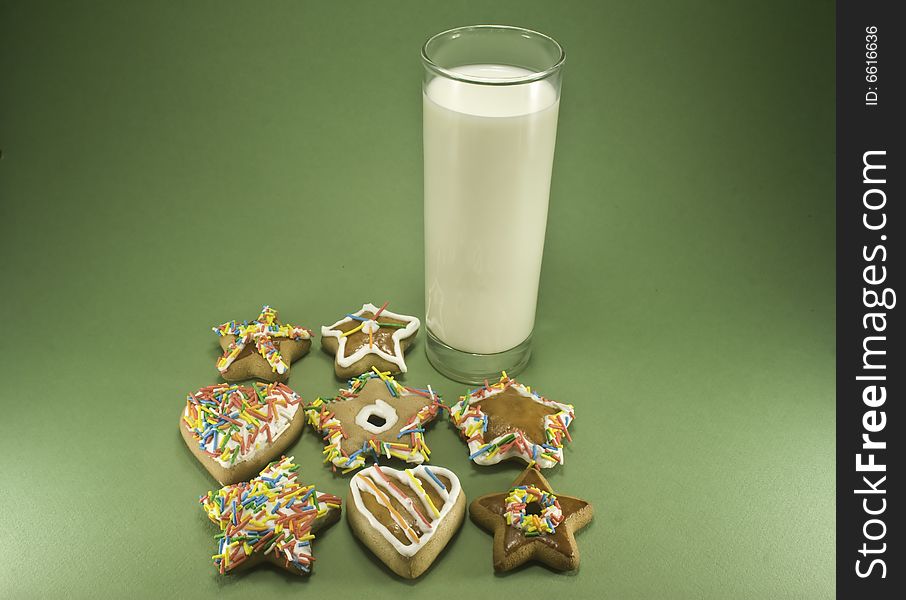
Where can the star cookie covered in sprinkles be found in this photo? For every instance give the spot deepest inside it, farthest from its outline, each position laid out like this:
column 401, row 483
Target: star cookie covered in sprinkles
column 235, row 430
column 272, row 517
column 507, row 420
column 262, row 349
column 374, row 417
column 372, row 337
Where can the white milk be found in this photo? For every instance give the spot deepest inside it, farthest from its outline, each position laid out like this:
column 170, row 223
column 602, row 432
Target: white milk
column 488, row 154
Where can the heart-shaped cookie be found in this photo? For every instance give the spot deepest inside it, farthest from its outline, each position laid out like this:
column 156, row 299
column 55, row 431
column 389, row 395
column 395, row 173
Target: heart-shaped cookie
column 405, row 517
column 235, row 430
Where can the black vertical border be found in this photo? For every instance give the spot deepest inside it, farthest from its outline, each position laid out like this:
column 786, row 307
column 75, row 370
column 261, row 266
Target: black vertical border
column 863, row 127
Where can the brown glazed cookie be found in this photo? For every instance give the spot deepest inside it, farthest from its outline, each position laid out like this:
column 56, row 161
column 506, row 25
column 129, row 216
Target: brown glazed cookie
column 375, row 416
column 370, row 338
column 272, row 517
column 405, row 517
column 507, row 420
column 234, row 430
column 530, row 522
column 262, row 349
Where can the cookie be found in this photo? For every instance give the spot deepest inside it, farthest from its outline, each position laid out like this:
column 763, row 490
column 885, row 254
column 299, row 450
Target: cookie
column 272, row 517
column 262, row 349
column 530, row 522
column 234, row 430
column 507, row 420
column 405, row 517
column 375, row 416
column 370, row 338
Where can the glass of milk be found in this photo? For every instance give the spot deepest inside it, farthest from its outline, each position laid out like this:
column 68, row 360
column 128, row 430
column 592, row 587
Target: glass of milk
column 491, row 95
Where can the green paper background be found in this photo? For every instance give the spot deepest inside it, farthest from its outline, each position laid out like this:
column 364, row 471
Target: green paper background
column 168, row 166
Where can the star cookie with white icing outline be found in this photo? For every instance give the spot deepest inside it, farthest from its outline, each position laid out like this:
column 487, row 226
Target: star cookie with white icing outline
column 405, row 517
column 507, row 420
column 372, row 337
column 263, row 348
column 531, row 522
column 375, row 416
column 272, row 517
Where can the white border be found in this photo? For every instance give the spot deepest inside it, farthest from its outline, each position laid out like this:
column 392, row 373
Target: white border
column 398, row 335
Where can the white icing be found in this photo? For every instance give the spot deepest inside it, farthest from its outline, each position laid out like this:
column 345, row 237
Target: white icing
column 450, row 496
column 514, row 450
column 381, row 409
column 412, row 325
column 370, row 326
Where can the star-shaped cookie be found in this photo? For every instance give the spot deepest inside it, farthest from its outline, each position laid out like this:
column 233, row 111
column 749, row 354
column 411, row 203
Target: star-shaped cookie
column 271, row 517
column 531, row 522
column 369, row 338
column 375, row 416
column 263, row 348
column 508, row 420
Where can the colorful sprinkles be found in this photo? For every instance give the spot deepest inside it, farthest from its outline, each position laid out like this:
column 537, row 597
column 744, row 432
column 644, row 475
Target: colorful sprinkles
column 412, row 449
column 473, row 423
column 532, row 525
column 262, row 332
column 231, row 422
column 272, row 515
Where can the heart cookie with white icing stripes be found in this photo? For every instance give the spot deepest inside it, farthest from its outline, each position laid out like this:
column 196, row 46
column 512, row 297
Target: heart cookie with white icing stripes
column 405, row 517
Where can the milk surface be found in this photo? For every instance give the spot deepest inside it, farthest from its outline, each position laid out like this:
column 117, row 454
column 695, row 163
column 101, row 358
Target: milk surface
column 488, row 152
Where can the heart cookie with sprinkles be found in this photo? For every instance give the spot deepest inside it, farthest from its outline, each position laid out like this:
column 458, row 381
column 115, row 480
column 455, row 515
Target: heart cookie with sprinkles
column 507, row 420
column 369, row 338
column 375, row 416
column 272, row 517
column 530, row 522
column 405, row 517
column 261, row 349
column 235, row 430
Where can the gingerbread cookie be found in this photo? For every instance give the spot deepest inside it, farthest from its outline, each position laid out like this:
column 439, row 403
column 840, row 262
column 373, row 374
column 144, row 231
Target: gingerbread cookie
column 271, row 517
column 531, row 522
column 235, row 430
column 405, row 517
column 508, row 420
column 375, row 416
column 263, row 348
column 370, row 338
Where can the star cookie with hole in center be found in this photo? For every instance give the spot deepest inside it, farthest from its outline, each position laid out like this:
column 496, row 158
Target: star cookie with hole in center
column 374, row 417
column 532, row 523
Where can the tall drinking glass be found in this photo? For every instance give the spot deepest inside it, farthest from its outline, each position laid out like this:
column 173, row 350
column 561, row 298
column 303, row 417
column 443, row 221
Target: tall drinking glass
column 491, row 96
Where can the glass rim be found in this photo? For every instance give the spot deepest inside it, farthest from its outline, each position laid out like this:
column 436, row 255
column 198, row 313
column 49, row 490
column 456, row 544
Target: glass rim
column 534, row 76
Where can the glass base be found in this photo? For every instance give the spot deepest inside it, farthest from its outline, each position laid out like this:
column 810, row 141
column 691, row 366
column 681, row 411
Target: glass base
column 472, row 368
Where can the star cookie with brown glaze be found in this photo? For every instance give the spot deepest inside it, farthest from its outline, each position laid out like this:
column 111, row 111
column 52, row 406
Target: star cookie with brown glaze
column 530, row 522
column 507, row 420
column 263, row 348
column 370, row 338
column 375, row 416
